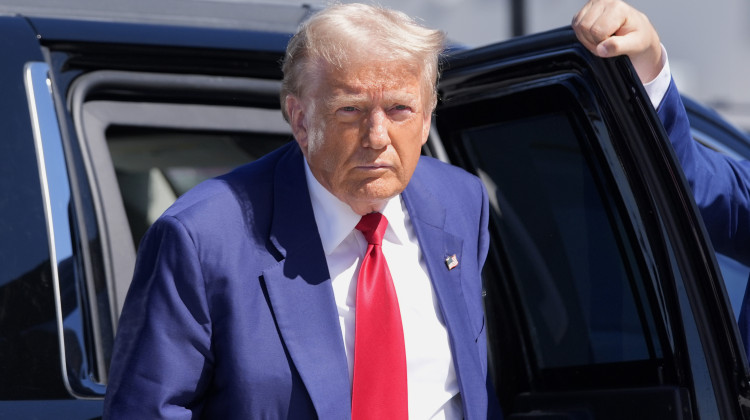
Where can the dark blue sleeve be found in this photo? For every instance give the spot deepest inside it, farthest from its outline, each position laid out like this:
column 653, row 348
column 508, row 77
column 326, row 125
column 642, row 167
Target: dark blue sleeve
column 721, row 185
column 162, row 360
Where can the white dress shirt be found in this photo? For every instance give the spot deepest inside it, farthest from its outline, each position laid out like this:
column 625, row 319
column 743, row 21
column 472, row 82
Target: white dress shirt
column 657, row 88
column 431, row 378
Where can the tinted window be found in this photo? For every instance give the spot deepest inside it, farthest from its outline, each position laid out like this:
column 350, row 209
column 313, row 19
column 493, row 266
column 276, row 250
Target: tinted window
column 564, row 239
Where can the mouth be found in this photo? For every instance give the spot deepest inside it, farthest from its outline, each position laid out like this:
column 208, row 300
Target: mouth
column 374, row 167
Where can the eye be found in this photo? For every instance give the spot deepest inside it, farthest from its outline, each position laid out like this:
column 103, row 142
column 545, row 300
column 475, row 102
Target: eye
column 400, row 112
column 348, row 113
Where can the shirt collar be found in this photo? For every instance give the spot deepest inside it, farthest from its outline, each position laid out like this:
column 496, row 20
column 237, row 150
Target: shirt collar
column 336, row 220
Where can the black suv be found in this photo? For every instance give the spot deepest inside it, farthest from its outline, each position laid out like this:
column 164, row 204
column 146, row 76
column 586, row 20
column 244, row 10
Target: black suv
column 603, row 296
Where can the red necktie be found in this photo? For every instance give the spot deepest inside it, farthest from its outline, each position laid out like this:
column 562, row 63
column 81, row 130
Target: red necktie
column 379, row 385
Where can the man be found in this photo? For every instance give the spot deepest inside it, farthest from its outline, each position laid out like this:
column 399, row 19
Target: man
column 248, row 297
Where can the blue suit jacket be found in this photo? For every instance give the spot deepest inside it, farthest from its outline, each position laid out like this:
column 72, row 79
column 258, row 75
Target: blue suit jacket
column 721, row 187
column 231, row 312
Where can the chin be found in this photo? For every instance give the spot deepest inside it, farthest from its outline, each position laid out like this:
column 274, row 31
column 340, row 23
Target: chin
column 369, row 202
column 381, row 194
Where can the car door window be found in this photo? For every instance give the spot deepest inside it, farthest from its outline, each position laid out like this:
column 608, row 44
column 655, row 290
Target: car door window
column 566, row 238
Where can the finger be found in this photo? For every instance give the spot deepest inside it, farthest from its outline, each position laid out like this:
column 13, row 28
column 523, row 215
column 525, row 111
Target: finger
column 580, row 15
column 601, row 21
column 633, row 36
column 588, row 25
column 641, row 44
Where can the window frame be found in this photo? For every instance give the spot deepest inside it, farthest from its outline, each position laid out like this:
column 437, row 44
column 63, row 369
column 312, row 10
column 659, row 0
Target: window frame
column 128, row 98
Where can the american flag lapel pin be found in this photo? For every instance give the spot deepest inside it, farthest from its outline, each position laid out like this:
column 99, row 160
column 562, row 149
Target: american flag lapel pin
column 451, row 262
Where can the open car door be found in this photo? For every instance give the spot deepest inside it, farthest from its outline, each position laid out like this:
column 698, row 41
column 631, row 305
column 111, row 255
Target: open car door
column 603, row 296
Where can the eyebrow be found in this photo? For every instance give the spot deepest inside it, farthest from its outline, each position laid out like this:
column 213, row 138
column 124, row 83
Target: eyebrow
column 336, row 101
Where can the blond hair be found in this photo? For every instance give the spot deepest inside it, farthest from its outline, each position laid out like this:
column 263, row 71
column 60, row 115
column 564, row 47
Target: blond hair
column 342, row 33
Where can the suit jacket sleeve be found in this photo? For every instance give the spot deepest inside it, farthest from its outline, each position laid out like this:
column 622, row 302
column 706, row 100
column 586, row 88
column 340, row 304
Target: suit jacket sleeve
column 163, row 346
column 721, row 185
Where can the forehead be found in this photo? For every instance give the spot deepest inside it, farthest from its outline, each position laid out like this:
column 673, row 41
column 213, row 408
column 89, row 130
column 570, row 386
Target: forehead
column 370, row 77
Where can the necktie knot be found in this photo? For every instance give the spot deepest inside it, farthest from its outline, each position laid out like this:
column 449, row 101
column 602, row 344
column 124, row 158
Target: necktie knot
column 372, row 226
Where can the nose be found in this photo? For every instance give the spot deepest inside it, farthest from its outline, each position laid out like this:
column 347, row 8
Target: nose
column 376, row 130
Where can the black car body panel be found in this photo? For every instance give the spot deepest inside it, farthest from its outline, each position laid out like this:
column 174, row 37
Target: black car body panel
column 58, row 31
column 106, row 123
column 28, row 310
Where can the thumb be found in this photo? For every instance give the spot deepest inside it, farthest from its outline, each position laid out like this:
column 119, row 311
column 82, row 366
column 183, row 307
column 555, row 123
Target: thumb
column 618, row 45
column 645, row 54
column 602, row 50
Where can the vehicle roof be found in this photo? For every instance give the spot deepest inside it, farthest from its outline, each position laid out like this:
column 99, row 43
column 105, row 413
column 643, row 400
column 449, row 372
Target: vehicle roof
column 224, row 24
column 280, row 16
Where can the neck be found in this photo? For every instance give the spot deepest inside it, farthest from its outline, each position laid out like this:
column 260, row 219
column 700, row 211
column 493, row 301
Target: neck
column 368, row 207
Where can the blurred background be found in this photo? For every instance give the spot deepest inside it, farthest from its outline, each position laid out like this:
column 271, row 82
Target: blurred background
column 708, row 41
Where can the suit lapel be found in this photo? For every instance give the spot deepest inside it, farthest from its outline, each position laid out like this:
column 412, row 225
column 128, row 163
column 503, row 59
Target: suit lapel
column 428, row 217
column 300, row 292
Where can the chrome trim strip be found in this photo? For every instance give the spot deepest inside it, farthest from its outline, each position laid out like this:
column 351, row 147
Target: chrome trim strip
column 57, row 198
column 51, row 169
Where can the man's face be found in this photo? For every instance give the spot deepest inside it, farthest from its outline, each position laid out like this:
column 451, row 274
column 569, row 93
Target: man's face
column 361, row 130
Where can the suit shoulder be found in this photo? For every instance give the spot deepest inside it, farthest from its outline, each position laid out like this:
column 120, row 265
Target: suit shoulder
column 435, row 172
column 247, row 190
column 437, row 169
column 454, row 188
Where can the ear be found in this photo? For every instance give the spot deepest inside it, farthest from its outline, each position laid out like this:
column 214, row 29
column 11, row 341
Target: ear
column 296, row 111
column 426, row 124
